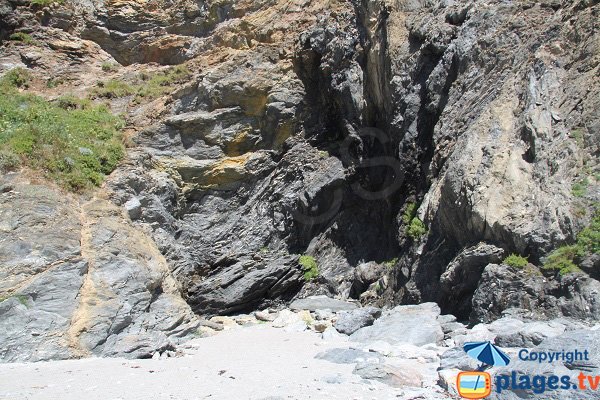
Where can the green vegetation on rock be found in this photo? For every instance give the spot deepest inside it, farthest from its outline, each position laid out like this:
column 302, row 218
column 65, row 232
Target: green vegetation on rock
column 160, row 84
column 113, row 89
column 588, row 240
column 516, row 261
column 70, row 140
column 579, row 189
column 409, row 213
column 21, row 37
column 391, row 263
column 109, row 67
column 8, row 161
column 143, row 87
column 566, row 259
column 45, row 3
column 54, row 82
column 415, row 228
column 309, row 266
column 15, row 78
column 578, row 136
column 22, row 299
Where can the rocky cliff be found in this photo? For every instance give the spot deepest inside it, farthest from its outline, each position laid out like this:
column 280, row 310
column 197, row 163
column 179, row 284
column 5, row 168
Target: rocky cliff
column 404, row 148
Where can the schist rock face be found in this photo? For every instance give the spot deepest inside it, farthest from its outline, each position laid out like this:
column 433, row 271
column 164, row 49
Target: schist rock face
column 381, row 153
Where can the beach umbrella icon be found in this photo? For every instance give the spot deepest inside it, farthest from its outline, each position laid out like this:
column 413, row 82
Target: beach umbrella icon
column 487, row 353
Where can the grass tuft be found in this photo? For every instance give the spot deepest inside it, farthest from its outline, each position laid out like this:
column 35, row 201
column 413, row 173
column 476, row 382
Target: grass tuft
column 579, row 189
column 309, row 266
column 109, row 67
column 516, row 261
column 21, row 37
column 113, row 89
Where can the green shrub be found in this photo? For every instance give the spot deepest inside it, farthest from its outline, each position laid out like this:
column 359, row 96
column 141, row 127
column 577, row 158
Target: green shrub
column 9, row 161
column 70, row 140
column 45, row 3
column 15, row 78
column 409, row 213
column 109, row 67
column 562, row 260
column 415, row 228
column 578, row 135
column 113, row 89
column 391, row 263
column 71, row 102
column 516, row 261
column 565, row 259
column 588, row 239
column 21, row 37
column 579, row 189
column 309, row 266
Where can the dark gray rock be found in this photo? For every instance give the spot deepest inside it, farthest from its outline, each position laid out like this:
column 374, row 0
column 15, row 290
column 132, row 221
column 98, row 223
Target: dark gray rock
column 486, row 116
column 134, row 208
column 460, row 280
column 454, row 328
column 245, row 284
column 263, row 274
column 323, row 315
column 349, row 322
column 364, row 275
column 503, row 287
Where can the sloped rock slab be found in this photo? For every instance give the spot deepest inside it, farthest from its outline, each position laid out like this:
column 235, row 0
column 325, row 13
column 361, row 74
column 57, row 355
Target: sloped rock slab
column 315, row 303
column 416, row 325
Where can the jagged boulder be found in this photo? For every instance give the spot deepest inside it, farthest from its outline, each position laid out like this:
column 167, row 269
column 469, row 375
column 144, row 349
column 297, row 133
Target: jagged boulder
column 349, row 322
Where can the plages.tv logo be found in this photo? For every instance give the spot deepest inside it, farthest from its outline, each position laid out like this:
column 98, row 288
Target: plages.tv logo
column 478, row 384
column 474, row 385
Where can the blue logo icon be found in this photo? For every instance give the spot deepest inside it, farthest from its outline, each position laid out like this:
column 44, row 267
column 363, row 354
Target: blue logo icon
column 487, row 353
